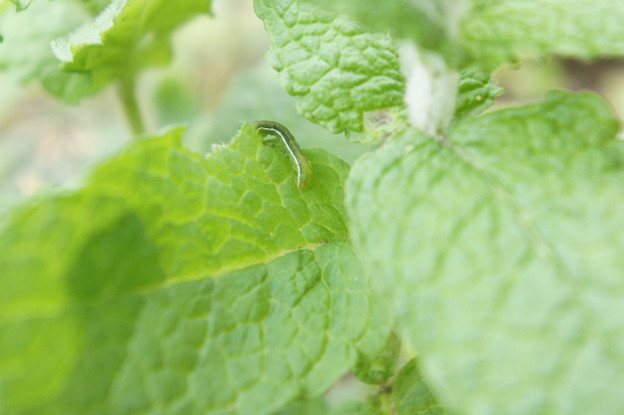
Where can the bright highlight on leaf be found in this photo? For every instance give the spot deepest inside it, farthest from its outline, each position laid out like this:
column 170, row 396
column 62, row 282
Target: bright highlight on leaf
column 501, row 246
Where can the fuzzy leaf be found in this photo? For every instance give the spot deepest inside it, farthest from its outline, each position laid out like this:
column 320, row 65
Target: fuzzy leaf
column 501, row 247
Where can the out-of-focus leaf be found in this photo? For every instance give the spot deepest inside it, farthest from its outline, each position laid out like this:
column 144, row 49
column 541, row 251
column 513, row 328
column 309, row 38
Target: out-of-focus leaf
column 501, row 246
column 128, row 36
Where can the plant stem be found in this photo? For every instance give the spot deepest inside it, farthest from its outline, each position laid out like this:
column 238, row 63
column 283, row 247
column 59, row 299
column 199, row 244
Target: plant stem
column 131, row 106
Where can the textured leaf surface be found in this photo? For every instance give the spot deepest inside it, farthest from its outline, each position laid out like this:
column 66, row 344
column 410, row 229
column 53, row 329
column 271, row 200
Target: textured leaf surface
column 502, row 247
column 337, row 72
column 175, row 283
column 498, row 31
column 126, row 37
column 488, row 33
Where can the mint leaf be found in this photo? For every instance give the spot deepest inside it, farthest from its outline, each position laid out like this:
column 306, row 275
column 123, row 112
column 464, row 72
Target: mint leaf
column 500, row 247
column 499, row 31
column 25, row 55
column 178, row 283
column 411, row 394
column 122, row 40
column 488, row 33
column 338, row 73
column 475, row 94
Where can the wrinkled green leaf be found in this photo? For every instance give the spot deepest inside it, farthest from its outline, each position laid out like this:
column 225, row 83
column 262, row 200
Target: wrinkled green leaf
column 125, row 38
column 501, row 246
column 339, row 74
column 176, row 283
column 488, row 33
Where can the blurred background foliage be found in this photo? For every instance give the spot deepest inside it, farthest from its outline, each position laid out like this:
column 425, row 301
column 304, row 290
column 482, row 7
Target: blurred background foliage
column 218, row 80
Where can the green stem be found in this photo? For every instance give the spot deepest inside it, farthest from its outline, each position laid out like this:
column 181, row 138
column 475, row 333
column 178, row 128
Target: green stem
column 131, row 106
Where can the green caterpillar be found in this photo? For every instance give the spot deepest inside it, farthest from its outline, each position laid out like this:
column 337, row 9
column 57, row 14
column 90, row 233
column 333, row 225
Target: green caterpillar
column 304, row 171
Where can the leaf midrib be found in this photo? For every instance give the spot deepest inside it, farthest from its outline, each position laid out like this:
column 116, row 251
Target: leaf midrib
column 53, row 311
